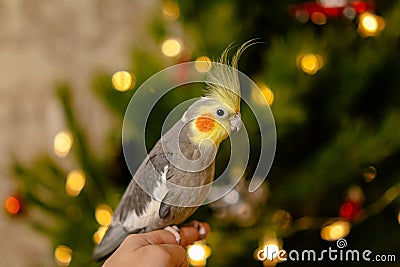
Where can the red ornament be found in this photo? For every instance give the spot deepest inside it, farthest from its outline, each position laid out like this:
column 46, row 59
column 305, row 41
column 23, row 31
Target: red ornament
column 349, row 210
column 328, row 9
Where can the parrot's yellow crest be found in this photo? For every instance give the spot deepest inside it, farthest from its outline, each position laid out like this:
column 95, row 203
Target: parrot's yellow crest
column 223, row 80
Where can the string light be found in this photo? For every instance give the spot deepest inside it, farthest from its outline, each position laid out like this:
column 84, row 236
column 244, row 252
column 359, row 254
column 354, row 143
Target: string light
column 370, row 24
column 203, row 64
column 13, row 205
column 99, row 234
column 63, row 255
column 171, row 48
column 171, row 10
column 309, row 63
column 75, row 182
column 334, row 231
column 198, row 254
column 123, row 80
column 62, row 144
column 103, row 215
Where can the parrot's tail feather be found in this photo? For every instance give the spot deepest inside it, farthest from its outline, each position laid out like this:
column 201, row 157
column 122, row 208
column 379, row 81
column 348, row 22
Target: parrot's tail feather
column 110, row 242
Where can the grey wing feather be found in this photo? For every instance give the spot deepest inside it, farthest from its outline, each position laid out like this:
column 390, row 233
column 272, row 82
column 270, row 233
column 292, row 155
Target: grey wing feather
column 138, row 211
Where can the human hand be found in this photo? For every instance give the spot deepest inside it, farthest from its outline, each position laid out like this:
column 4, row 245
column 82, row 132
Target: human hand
column 157, row 248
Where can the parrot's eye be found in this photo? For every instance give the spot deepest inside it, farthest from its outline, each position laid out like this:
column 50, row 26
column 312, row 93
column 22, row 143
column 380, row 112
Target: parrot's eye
column 221, row 113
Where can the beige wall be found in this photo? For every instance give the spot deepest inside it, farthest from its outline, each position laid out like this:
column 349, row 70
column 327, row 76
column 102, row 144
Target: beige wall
column 42, row 42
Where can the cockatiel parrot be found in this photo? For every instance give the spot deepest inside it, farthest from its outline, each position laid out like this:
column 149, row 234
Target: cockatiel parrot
column 211, row 118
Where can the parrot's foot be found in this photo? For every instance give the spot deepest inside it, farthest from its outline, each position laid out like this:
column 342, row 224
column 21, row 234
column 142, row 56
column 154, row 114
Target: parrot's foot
column 175, row 231
column 200, row 228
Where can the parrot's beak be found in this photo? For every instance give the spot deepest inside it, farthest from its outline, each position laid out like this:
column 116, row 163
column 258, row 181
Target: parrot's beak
column 236, row 122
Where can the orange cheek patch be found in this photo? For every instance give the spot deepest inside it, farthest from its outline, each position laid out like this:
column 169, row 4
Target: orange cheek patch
column 205, row 122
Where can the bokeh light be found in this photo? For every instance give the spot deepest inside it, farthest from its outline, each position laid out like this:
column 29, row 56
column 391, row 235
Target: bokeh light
column 99, row 234
column 62, row 143
column 76, row 180
column 355, row 194
column 281, row 218
column 63, row 255
column 391, row 194
column 171, row 10
column 171, row 48
column 203, row 64
column 398, row 217
column 318, row 18
column 309, row 63
column 369, row 173
column 370, row 24
column 232, row 197
column 13, row 205
column 123, row 80
column 265, row 91
column 302, row 15
column 335, row 230
column 103, row 215
column 198, row 254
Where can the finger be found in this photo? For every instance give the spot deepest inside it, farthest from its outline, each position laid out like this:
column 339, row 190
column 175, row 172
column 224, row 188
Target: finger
column 136, row 241
column 165, row 255
column 190, row 233
column 178, row 255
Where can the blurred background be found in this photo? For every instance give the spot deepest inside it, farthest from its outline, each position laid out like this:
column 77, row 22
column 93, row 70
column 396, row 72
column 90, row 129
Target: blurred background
column 327, row 69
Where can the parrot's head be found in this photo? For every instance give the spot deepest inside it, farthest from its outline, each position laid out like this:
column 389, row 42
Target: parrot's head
column 212, row 119
column 216, row 115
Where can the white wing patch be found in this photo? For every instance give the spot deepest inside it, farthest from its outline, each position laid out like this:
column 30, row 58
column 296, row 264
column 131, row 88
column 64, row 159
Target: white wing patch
column 151, row 214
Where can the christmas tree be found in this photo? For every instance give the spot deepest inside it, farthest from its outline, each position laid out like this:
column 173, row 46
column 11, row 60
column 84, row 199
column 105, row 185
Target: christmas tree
column 327, row 70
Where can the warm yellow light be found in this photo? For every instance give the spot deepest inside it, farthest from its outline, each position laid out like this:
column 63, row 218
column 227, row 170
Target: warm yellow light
column 63, row 255
column 369, row 173
column 265, row 91
column 123, row 80
column 398, row 217
column 75, row 182
column 171, row 10
column 198, row 254
column 368, row 22
column 281, row 218
column 202, row 64
column 62, row 143
column 171, row 48
column 98, row 236
column 310, row 63
column 104, row 215
column 271, row 250
column 336, row 230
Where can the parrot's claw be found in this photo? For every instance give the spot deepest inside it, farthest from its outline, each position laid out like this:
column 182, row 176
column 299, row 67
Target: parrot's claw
column 200, row 228
column 175, row 231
